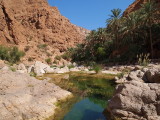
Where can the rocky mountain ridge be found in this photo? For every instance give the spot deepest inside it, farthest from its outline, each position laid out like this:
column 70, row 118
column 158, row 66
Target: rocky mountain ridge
column 31, row 23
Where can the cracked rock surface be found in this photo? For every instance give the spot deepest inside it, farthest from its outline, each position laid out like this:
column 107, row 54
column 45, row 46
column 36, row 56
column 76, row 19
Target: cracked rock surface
column 138, row 96
column 25, row 98
column 34, row 24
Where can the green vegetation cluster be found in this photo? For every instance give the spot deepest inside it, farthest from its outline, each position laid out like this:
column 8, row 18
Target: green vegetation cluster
column 98, row 88
column 10, row 54
column 123, row 39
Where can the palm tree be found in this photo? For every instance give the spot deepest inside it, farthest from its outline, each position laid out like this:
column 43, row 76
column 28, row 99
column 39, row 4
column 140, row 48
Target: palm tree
column 114, row 24
column 149, row 10
column 130, row 25
column 101, row 35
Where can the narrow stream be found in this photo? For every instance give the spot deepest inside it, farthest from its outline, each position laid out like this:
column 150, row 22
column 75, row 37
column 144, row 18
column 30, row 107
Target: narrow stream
column 91, row 93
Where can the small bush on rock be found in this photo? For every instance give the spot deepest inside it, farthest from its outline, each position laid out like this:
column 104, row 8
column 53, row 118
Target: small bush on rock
column 66, row 56
column 70, row 66
column 97, row 68
column 33, row 74
column 48, row 60
column 13, row 69
column 42, row 46
column 58, row 57
column 12, row 54
column 55, row 62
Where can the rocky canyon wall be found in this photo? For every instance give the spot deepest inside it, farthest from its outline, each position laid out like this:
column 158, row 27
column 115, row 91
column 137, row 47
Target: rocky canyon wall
column 31, row 23
column 137, row 5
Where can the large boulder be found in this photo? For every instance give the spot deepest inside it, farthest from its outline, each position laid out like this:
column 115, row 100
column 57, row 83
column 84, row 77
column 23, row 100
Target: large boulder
column 135, row 76
column 152, row 76
column 49, row 70
column 25, row 98
column 135, row 99
column 62, row 70
column 74, row 69
column 39, row 68
column 22, row 67
column 5, row 68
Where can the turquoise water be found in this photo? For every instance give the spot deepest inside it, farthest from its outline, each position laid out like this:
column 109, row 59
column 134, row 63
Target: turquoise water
column 91, row 95
column 85, row 110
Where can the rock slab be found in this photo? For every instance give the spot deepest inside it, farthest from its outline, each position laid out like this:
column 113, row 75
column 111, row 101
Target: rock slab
column 25, row 98
column 138, row 96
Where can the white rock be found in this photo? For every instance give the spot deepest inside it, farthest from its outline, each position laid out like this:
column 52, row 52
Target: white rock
column 74, row 70
column 5, row 68
column 86, row 70
column 75, row 64
column 22, row 67
column 49, row 70
column 91, row 72
column 20, row 71
column 110, row 72
column 39, row 68
column 65, row 69
column 24, row 97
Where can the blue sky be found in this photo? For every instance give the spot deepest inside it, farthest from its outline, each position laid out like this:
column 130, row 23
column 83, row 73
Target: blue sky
column 90, row 14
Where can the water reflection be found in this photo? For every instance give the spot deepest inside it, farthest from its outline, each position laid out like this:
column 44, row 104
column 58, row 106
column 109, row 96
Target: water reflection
column 92, row 91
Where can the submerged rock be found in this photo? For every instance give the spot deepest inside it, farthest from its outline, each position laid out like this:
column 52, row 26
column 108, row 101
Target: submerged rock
column 25, row 98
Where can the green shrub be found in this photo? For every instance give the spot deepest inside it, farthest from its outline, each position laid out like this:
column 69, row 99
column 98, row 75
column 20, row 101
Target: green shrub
column 42, row 46
column 70, row 66
column 48, row 60
column 97, row 68
column 13, row 69
column 58, row 57
column 52, row 66
column 55, row 62
column 66, row 56
column 15, row 55
column 30, row 85
column 33, row 74
column 4, row 53
column 11, row 54
column 62, row 66
column 101, row 51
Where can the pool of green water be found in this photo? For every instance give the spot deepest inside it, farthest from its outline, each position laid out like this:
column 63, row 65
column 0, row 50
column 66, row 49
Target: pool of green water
column 91, row 93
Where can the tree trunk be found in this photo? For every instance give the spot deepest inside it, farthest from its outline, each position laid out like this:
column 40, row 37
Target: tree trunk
column 151, row 42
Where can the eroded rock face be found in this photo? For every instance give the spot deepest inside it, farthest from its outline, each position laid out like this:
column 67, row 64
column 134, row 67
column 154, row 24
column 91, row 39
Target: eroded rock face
column 32, row 23
column 137, row 5
column 25, row 98
column 138, row 96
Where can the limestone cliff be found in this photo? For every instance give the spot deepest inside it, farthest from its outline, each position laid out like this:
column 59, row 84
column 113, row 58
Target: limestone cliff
column 31, row 23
